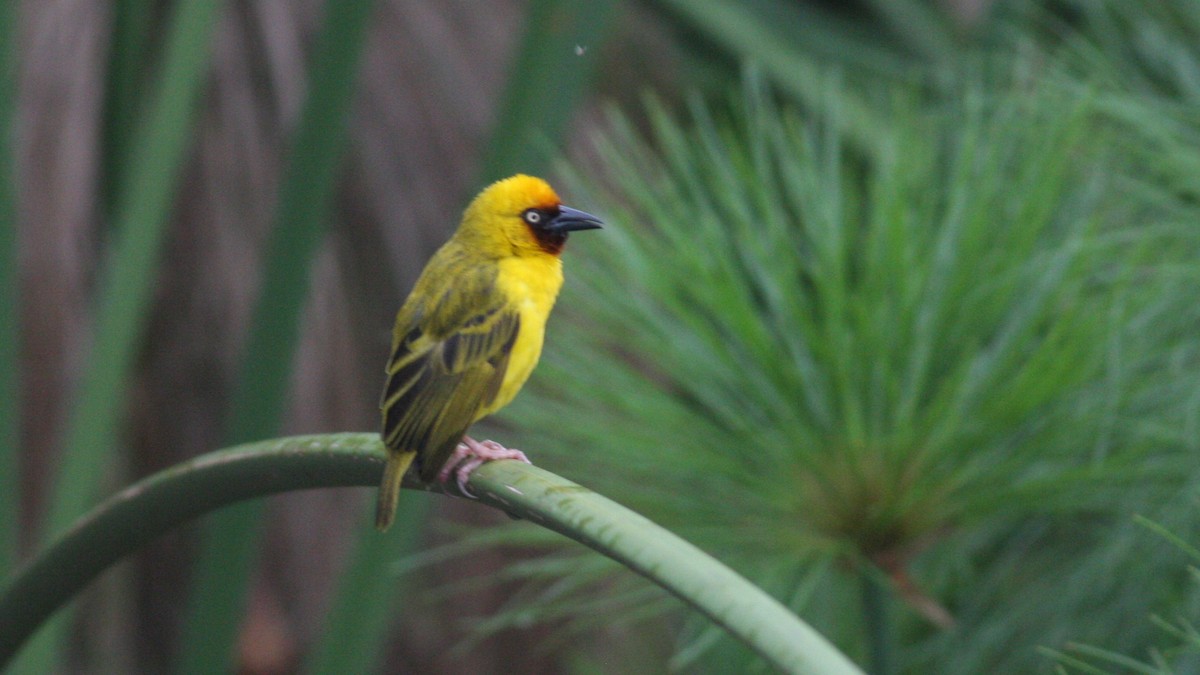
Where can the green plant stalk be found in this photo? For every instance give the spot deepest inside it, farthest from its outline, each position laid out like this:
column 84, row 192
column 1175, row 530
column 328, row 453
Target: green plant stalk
column 923, row 26
column 9, row 298
column 132, row 26
column 547, row 79
column 155, row 505
column 876, row 624
column 366, row 600
column 157, row 155
column 231, row 540
column 126, row 282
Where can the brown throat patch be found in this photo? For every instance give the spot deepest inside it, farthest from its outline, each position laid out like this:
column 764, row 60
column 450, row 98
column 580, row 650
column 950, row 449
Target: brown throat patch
column 551, row 242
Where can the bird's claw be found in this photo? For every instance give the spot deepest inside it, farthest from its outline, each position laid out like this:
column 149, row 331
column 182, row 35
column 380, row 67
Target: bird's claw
column 470, row 455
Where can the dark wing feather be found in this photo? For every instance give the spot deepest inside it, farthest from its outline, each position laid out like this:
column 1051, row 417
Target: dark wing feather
column 444, row 369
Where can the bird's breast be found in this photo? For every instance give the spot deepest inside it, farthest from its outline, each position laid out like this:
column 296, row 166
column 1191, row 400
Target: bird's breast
column 531, row 286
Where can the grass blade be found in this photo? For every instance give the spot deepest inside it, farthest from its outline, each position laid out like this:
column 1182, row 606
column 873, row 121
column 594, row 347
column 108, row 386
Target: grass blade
column 132, row 26
column 230, row 551
column 358, row 623
column 922, row 25
column 126, row 282
column 555, row 60
column 125, row 285
column 9, row 297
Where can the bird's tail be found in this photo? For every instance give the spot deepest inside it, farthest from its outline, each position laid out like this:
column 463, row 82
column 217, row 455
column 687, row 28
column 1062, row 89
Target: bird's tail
column 389, row 487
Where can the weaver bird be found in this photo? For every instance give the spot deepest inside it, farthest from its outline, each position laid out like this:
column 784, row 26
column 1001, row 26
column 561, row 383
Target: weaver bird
column 471, row 331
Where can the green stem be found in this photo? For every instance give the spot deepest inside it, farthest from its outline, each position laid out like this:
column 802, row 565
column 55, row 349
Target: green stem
column 364, row 607
column 127, row 281
column 161, row 502
column 875, row 621
column 231, row 541
column 132, row 27
column 157, row 152
column 9, row 295
column 556, row 58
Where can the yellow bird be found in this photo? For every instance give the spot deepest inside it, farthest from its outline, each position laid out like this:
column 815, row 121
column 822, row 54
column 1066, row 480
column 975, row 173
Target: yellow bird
column 471, row 331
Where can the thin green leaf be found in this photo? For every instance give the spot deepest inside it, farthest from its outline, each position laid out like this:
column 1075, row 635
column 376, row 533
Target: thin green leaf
column 1170, row 536
column 922, row 25
column 159, row 149
column 129, row 45
column 126, row 281
column 370, row 591
column 10, row 410
column 231, row 539
column 558, row 53
column 1125, row 663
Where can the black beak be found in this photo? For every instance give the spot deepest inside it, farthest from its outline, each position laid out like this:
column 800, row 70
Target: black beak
column 570, row 220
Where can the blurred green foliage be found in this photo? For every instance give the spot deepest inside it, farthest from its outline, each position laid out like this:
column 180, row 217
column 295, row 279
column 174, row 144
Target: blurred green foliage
column 957, row 359
column 1180, row 652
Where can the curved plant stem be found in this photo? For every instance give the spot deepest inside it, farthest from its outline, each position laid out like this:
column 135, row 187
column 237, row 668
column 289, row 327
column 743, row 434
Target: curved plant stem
column 153, row 506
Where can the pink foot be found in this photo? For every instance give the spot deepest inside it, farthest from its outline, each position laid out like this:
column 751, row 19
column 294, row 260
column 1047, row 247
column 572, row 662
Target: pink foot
column 469, row 455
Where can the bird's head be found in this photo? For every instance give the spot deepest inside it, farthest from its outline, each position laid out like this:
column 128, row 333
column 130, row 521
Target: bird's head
column 522, row 215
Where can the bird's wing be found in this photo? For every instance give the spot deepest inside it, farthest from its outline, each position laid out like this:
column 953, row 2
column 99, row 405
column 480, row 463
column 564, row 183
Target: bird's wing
column 448, row 362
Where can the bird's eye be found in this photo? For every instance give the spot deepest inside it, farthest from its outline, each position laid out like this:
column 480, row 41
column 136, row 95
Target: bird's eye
column 532, row 216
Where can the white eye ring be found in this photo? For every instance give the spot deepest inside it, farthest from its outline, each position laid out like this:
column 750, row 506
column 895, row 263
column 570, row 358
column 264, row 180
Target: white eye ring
column 533, row 217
